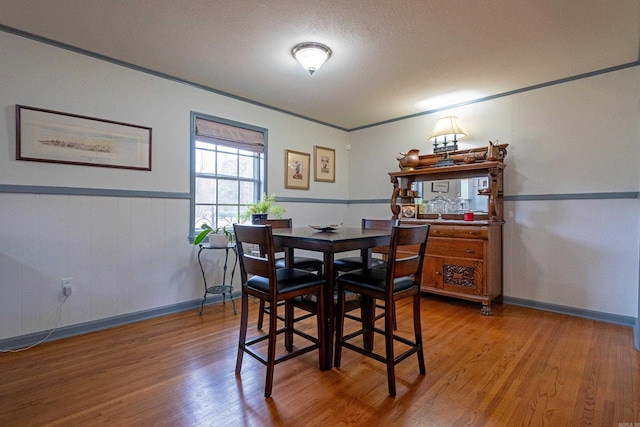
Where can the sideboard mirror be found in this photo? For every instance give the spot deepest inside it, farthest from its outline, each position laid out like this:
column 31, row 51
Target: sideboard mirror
column 451, row 189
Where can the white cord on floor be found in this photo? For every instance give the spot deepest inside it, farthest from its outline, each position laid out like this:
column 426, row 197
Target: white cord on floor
column 58, row 312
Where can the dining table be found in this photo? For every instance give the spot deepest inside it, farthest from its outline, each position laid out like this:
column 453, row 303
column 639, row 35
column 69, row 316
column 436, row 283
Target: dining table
column 331, row 242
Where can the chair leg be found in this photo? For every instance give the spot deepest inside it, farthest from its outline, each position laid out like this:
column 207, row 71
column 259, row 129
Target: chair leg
column 244, row 320
column 395, row 322
column 271, row 355
column 288, row 324
column 261, row 314
column 368, row 315
column 339, row 326
column 388, row 339
column 418, row 333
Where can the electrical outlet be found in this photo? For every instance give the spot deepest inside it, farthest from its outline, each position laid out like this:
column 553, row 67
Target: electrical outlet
column 67, row 286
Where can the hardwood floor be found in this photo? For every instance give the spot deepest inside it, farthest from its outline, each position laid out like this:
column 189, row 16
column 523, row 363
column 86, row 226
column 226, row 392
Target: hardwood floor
column 516, row 367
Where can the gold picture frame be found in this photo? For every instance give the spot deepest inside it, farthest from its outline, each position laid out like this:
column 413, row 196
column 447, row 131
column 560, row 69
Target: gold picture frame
column 324, row 164
column 296, row 170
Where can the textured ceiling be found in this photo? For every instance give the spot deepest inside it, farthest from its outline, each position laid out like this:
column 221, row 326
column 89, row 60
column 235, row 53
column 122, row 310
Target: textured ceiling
column 389, row 59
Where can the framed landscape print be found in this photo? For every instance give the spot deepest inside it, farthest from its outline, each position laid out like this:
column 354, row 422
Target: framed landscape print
column 324, row 164
column 440, row 187
column 296, row 169
column 55, row 137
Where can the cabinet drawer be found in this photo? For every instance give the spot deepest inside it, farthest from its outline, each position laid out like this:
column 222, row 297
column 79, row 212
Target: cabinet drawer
column 463, row 232
column 459, row 248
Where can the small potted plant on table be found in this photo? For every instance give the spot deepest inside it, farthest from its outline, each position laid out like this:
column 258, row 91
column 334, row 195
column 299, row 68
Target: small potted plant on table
column 218, row 237
column 264, row 207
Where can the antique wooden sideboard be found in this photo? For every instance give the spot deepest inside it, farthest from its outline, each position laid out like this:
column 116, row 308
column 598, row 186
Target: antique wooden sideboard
column 464, row 258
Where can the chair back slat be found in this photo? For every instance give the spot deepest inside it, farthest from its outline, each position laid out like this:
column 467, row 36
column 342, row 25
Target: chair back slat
column 406, row 266
column 277, row 223
column 257, row 266
column 379, row 224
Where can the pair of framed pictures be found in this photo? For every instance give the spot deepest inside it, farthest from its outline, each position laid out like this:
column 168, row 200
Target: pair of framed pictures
column 298, row 167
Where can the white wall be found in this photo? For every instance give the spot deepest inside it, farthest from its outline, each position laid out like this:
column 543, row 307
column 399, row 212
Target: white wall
column 124, row 254
column 131, row 254
column 573, row 138
column 576, row 253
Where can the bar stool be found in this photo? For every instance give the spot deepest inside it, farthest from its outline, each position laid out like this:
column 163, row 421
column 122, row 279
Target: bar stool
column 401, row 279
column 302, row 263
column 272, row 285
column 347, row 264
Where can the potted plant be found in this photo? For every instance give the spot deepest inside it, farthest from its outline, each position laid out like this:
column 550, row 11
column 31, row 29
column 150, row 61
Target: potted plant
column 264, row 207
column 218, row 237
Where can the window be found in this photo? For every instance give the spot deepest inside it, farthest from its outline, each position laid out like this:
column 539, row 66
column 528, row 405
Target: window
column 228, row 163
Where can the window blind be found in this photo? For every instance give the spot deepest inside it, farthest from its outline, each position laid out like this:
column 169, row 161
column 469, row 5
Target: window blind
column 220, row 133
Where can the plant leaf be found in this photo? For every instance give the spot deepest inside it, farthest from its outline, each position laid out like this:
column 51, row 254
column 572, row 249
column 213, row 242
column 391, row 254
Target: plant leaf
column 200, row 237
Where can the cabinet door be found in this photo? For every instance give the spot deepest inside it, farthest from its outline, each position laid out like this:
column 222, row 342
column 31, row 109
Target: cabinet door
column 430, row 279
column 460, row 275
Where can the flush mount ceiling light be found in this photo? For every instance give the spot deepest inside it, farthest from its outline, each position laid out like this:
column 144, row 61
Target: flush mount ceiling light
column 311, row 55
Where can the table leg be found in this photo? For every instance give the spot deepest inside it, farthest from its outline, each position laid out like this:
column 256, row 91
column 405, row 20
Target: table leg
column 288, row 257
column 329, row 274
column 288, row 309
column 366, row 256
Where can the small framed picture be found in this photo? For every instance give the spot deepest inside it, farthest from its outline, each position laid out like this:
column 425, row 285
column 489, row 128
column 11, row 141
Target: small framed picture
column 408, row 211
column 296, row 170
column 324, row 164
column 440, row 186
